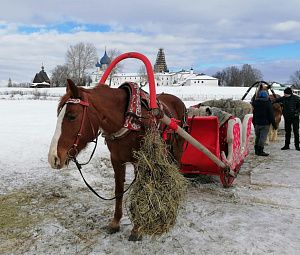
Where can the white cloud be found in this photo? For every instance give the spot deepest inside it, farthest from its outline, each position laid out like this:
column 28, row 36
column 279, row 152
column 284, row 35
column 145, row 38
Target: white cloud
column 289, row 25
column 193, row 33
column 3, row 83
column 278, row 70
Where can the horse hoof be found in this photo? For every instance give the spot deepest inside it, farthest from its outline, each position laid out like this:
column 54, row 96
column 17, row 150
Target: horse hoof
column 135, row 238
column 111, row 230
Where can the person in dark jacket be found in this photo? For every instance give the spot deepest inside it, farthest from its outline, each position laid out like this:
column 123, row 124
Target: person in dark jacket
column 290, row 112
column 263, row 116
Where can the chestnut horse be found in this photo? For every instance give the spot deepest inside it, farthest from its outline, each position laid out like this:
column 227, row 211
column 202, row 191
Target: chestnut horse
column 277, row 109
column 82, row 113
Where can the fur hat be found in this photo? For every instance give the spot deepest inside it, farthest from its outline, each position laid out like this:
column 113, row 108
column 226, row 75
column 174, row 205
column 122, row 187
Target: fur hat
column 288, row 91
column 263, row 94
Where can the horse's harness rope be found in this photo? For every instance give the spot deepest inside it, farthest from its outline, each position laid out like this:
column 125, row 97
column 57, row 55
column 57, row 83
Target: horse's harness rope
column 73, row 151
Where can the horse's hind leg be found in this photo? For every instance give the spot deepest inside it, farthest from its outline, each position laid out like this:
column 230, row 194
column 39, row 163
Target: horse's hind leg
column 178, row 147
column 119, row 170
column 135, row 235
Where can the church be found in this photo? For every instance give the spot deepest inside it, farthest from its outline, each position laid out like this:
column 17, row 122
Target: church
column 162, row 75
column 41, row 80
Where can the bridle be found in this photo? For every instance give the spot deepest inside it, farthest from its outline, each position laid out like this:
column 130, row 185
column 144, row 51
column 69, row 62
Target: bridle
column 73, row 151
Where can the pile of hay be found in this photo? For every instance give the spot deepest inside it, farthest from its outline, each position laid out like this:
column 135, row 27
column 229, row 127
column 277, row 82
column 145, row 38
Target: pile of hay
column 155, row 197
column 237, row 108
column 209, row 111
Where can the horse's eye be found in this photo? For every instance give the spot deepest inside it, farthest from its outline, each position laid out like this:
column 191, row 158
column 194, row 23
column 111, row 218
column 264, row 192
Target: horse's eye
column 70, row 116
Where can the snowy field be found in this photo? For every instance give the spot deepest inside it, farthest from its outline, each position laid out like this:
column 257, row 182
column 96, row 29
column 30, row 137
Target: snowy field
column 43, row 211
column 186, row 93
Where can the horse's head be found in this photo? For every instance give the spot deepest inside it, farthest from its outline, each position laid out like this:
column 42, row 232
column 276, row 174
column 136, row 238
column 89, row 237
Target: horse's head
column 73, row 129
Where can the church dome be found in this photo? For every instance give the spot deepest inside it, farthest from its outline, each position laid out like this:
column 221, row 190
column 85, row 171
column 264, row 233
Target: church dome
column 98, row 64
column 105, row 60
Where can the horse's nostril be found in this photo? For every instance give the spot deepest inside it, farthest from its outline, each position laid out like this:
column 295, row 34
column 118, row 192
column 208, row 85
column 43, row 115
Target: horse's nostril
column 56, row 162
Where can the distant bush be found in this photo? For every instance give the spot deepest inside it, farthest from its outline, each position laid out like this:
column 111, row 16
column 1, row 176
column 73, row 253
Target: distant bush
column 37, row 94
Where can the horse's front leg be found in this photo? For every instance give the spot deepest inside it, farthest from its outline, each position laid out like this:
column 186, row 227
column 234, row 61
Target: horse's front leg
column 119, row 170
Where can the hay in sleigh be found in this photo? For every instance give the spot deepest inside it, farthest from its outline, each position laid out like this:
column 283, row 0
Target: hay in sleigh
column 237, row 108
column 156, row 195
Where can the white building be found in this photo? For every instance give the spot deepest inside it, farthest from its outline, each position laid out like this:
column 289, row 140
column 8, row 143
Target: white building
column 119, row 78
column 181, row 78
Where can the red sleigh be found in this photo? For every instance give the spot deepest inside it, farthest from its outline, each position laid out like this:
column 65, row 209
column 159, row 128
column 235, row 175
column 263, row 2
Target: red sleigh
column 209, row 149
column 229, row 143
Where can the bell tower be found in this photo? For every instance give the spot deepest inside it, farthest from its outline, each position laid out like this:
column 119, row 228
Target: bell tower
column 160, row 65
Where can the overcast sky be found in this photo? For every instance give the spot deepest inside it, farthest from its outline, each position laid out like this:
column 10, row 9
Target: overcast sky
column 205, row 35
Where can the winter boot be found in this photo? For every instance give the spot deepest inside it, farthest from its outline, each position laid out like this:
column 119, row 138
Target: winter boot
column 297, row 143
column 285, row 147
column 256, row 149
column 286, row 142
column 261, row 152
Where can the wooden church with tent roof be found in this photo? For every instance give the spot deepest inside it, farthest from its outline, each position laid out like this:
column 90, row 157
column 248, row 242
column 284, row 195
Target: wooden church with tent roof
column 41, row 80
column 160, row 65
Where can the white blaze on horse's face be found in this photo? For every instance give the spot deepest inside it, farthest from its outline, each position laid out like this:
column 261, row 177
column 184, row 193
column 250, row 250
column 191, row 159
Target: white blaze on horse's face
column 53, row 157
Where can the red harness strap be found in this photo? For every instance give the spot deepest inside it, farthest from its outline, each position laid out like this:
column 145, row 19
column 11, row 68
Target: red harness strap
column 72, row 153
column 173, row 126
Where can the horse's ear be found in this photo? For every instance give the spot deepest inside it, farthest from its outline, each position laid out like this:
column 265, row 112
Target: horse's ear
column 72, row 88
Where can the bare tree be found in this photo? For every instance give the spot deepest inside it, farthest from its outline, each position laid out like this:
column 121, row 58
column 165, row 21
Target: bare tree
column 233, row 76
column 229, row 76
column 59, row 75
column 250, row 75
column 112, row 54
column 221, row 76
column 80, row 58
column 295, row 79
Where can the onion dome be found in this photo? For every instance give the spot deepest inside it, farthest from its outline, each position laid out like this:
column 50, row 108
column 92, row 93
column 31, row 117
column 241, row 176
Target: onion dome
column 105, row 60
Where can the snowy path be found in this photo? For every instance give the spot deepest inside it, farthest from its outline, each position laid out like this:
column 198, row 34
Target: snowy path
column 51, row 212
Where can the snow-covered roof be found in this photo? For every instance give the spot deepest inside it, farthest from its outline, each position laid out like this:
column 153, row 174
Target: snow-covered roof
column 204, row 77
column 39, row 84
column 127, row 74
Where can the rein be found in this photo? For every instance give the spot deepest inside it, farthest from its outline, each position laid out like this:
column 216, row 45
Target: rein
column 79, row 166
column 73, row 152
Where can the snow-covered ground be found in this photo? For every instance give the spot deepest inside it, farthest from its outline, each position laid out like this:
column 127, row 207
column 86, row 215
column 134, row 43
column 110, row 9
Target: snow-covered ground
column 43, row 211
column 186, row 93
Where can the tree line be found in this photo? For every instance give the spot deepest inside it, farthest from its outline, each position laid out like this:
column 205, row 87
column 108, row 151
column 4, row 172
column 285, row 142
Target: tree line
column 234, row 77
column 246, row 76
